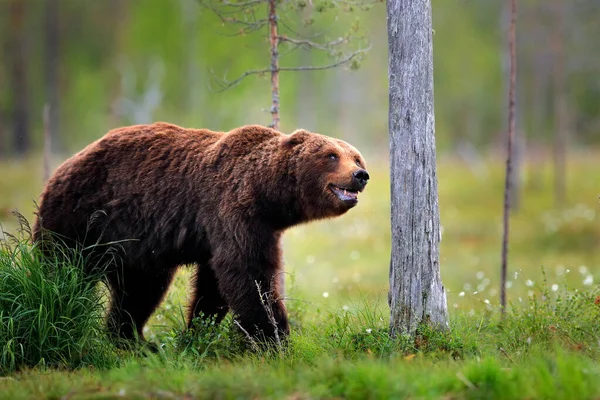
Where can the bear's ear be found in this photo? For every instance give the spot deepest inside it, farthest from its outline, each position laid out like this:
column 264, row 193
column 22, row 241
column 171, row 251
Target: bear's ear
column 295, row 138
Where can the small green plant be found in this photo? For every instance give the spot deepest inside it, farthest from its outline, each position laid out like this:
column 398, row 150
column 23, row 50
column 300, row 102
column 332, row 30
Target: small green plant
column 50, row 311
column 555, row 316
column 208, row 339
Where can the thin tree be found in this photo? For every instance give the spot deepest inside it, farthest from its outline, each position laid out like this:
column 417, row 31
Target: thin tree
column 2, row 134
column 20, row 87
column 417, row 295
column 4, row 34
column 47, row 143
column 519, row 140
column 245, row 16
column 560, row 103
column 52, row 43
column 509, row 151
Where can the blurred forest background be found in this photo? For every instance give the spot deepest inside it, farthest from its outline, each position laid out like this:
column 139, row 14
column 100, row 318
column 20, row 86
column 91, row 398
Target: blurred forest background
column 98, row 65
column 102, row 64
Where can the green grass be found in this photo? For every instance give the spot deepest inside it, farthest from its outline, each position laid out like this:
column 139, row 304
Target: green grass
column 50, row 314
column 335, row 356
column 547, row 347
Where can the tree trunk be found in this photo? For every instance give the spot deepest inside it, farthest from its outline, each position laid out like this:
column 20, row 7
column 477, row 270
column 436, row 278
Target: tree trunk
column 2, row 132
column 47, row 142
column 417, row 295
column 190, row 14
column 120, row 13
column 560, row 106
column 512, row 83
column 52, row 76
column 517, row 150
column 21, row 141
column 274, row 41
column 4, row 38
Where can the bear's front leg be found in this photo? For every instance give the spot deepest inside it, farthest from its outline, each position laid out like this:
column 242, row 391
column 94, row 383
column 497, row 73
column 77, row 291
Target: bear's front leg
column 249, row 282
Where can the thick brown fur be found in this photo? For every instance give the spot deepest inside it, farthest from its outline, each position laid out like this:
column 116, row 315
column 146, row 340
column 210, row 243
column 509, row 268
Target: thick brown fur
column 166, row 196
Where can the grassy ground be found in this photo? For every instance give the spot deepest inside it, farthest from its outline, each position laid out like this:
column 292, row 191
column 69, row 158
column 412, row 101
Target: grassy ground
column 547, row 348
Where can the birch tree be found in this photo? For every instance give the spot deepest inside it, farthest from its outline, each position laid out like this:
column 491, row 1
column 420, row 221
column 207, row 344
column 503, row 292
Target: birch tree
column 417, row 295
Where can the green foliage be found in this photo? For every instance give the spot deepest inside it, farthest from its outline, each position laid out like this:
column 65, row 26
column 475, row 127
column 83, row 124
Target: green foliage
column 50, row 313
column 567, row 319
column 208, row 339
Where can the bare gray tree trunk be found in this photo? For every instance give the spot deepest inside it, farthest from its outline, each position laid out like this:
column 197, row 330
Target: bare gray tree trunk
column 417, row 295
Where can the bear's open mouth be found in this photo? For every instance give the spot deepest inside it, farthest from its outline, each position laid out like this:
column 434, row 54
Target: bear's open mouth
column 345, row 195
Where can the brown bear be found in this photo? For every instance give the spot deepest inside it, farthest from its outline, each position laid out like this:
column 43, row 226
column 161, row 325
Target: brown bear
column 165, row 196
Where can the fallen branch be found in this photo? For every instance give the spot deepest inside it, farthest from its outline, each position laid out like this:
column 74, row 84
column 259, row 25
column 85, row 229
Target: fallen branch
column 248, row 336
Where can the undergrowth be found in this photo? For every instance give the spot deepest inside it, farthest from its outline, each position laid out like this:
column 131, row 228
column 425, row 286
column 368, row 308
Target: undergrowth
column 51, row 319
column 50, row 313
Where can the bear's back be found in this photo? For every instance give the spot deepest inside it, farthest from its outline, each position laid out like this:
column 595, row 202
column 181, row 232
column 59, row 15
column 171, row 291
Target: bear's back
column 139, row 174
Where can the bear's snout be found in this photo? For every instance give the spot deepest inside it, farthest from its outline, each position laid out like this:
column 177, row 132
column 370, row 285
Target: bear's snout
column 361, row 177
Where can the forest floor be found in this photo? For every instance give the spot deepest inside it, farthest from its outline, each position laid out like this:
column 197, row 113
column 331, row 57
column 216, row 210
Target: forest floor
column 547, row 346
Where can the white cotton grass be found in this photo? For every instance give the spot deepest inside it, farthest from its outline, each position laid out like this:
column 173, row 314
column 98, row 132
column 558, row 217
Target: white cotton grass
column 484, row 288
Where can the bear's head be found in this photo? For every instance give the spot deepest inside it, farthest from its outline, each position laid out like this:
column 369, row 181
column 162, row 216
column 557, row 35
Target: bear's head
column 329, row 173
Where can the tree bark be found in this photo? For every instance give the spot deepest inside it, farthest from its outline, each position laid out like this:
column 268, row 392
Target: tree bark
column 274, row 41
column 21, row 141
column 518, row 142
column 509, row 151
column 417, row 295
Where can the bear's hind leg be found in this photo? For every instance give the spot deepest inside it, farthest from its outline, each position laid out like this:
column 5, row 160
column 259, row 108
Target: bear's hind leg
column 135, row 295
column 206, row 298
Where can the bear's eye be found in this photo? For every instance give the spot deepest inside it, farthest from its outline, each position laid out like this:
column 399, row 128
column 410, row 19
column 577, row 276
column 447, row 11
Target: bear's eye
column 332, row 156
column 357, row 161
